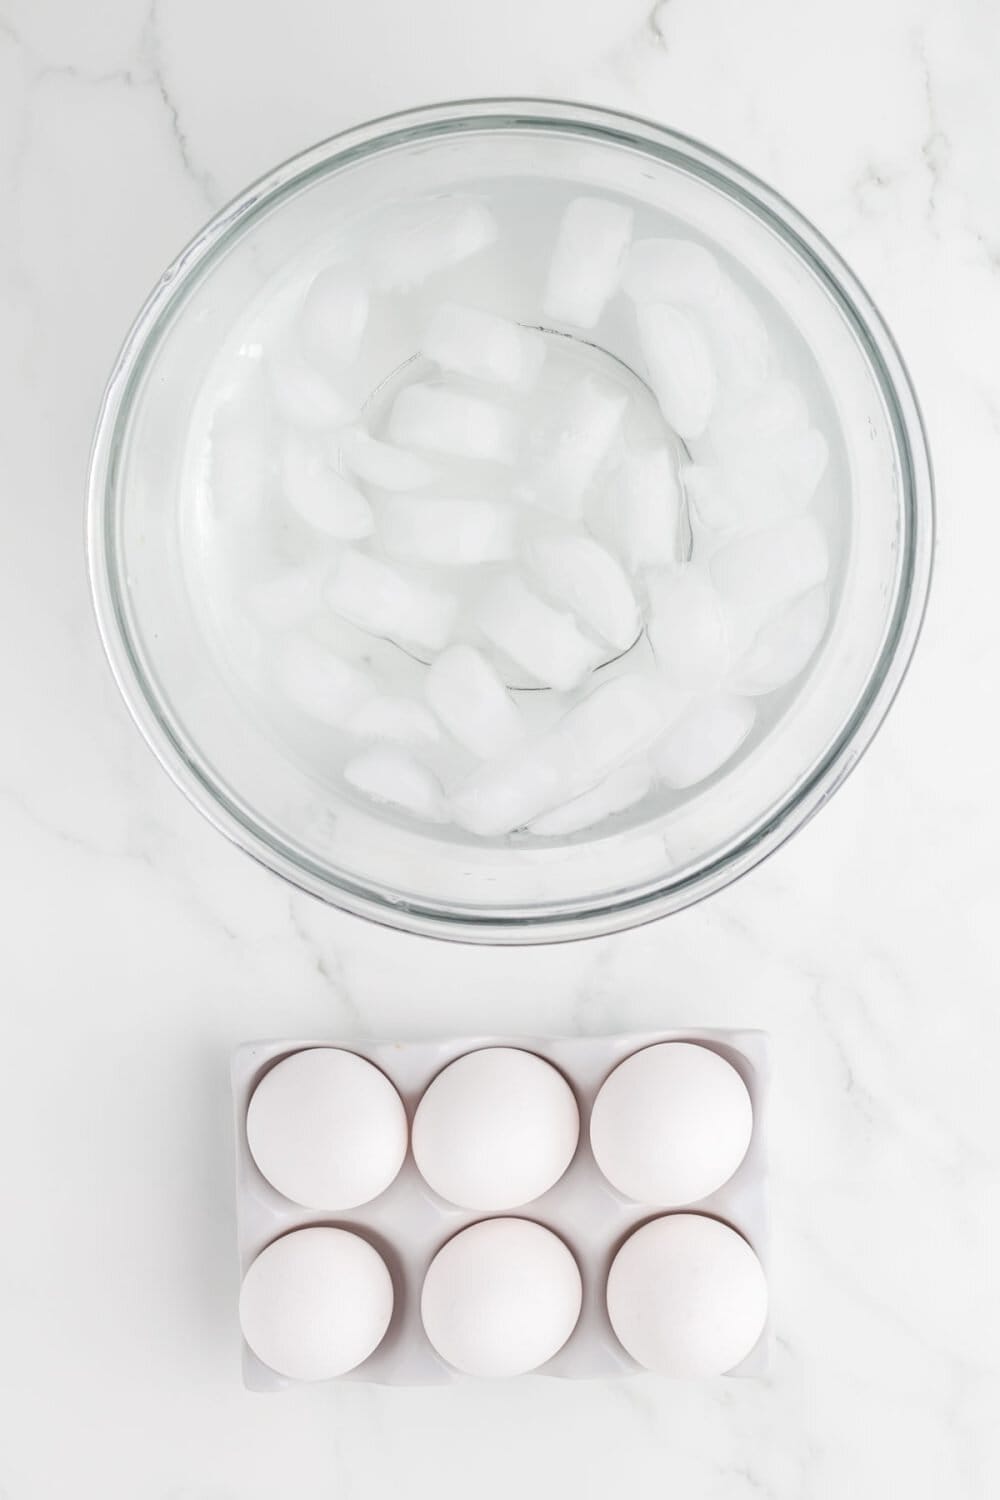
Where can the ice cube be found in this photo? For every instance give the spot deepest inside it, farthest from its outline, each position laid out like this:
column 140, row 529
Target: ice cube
column 724, row 500
column 676, row 271
column 469, row 697
column 509, row 790
column 616, row 722
column 784, row 647
column 240, row 467
column 452, row 532
column 319, row 682
column 420, row 238
column 680, row 366
column 333, row 317
column 587, row 260
column 393, row 717
column 682, row 273
column 386, row 601
column 766, row 460
column 569, row 444
column 322, row 497
column 758, row 484
column 707, row 495
column 542, row 640
column 738, row 337
column 759, row 420
column 800, row 460
column 622, row 789
column 443, row 419
column 385, row 773
column 304, row 398
column 758, row 574
column 289, row 599
column 482, row 345
column 639, row 511
column 577, row 572
column 702, row 740
column 381, row 464
column 687, row 628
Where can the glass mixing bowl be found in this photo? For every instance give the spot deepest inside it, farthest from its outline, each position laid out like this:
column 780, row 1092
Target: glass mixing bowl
column 437, row 880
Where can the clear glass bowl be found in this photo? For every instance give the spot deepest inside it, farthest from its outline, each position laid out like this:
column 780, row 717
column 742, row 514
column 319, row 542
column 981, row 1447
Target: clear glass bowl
column 437, row 880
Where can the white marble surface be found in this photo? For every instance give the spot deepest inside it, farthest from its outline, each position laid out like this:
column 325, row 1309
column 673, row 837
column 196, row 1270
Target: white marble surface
column 138, row 947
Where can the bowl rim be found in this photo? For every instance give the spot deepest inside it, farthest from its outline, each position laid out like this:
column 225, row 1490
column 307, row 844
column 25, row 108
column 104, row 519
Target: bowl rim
column 558, row 923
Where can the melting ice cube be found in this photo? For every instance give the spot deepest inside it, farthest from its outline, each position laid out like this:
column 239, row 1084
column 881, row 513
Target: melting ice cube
column 569, row 442
column 758, row 574
column 702, row 740
column 421, row 238
column 687, row 628
column 443, row 419
column 393, row 717
column 615, row 723
column 638, row 511
column 304, row 398
column 542, row 640
column 288, row 599
column 619, row 719
column 738, row 336
column 469, row 697
column 674, row 271
column 680, row 365
column 381, row 464
column 509, row 790
column 800, row 460
column 587, row 260
column 482, row 345
column 388, row 774
column 333, row 317
column 319, row 682
column 782, row 649
column 622, row 789
column 240, row 468
column 766, row 460
column 384, row 600
column 756, row 421
column 449, row 531
column 321, row 496
column 732, row 499
column 760, row 483
column 577, row 572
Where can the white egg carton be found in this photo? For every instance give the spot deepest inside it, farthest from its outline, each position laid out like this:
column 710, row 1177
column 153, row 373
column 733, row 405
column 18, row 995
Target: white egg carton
column 408, row 1223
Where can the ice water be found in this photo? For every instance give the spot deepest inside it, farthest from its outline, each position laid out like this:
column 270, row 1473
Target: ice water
column 516, row 513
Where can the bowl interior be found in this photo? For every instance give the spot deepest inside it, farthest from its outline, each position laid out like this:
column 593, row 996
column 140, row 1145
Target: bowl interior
column 147, row 537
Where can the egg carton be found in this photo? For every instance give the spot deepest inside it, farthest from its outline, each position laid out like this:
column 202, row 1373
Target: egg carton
column 408, row 1223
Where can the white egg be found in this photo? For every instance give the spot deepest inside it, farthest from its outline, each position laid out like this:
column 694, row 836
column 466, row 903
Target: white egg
column 501, row 1298
column 671, row 1124
column 495, row 1129
column 327, row 1129
column 687, row 1296
column 315, row 1303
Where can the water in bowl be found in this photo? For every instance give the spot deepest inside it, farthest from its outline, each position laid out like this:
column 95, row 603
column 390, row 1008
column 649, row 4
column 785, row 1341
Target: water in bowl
column 453, row 478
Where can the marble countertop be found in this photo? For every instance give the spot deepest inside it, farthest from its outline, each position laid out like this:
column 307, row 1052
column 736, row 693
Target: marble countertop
column 139, row 947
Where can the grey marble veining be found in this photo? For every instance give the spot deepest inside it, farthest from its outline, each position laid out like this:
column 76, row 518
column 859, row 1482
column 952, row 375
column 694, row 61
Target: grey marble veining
column 139, row 947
